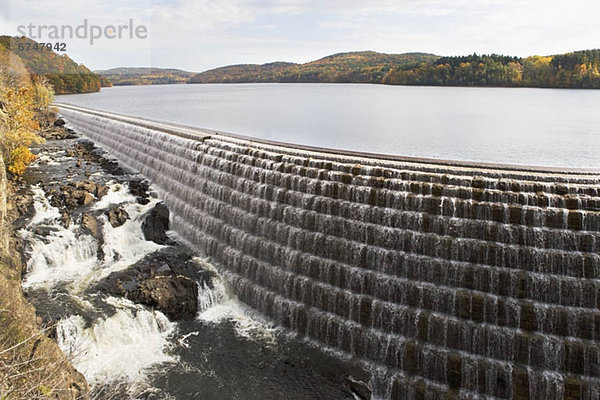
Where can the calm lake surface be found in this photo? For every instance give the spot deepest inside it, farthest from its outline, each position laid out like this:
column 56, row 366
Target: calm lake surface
column 546, row 127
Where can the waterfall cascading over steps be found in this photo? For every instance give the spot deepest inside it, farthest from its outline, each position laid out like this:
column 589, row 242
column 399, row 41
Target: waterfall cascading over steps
column 459, row 281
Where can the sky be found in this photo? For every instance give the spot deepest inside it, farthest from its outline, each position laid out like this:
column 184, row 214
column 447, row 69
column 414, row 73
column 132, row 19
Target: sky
column 203, row 34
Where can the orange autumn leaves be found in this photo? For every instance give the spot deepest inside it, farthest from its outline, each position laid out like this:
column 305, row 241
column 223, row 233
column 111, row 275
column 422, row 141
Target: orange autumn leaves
column 20, row 96
column 17, row 126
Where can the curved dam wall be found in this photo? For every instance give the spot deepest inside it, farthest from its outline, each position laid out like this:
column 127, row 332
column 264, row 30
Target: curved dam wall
column 454, row 280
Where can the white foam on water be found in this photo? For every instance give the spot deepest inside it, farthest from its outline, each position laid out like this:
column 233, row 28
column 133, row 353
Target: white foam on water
column 69, row 255
column 44, row 212
column 182, row 341
column 218, row 304
column 62, row 256
column 247, row 323
column 210, row 297
column 120, row 347
column 44, row 159
column 117, row 194
column 126, row 245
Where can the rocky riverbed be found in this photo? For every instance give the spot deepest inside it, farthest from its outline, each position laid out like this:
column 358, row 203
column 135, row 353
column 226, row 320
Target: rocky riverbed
column 137, row 311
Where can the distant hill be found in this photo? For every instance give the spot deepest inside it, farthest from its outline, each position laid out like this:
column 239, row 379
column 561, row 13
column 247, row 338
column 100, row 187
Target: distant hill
column 64, row 74
column 242, row 73
column 145, row 76
column 576, row 70
column 361, row 66
column 579, row 69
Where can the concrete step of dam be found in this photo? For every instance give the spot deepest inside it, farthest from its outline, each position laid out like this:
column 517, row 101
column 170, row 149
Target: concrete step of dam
column 376, row 164
column 506, row 207
column 557, row 211
column 531, row 216
column 442, row 293
column 454, row 280
column 488, row 252
column 445, row 179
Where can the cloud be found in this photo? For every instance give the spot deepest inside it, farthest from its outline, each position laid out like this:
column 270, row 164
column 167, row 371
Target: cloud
column 202, row 34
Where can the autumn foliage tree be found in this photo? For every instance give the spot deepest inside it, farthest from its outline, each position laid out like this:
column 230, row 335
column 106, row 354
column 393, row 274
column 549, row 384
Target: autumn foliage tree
column 59, row 70
column 20, row 96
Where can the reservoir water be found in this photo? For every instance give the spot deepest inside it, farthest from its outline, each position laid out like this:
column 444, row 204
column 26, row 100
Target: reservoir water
column 545, row 127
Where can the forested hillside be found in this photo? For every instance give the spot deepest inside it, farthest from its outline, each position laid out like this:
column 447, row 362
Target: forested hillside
column 364, row 66
column 145, row 76
column 580, row 69
column 64, row 74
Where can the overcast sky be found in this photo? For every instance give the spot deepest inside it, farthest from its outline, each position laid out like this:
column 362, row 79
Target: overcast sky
column 202, row 34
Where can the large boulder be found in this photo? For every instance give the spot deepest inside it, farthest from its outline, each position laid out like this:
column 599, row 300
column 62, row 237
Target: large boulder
column 65, row 219
column 167, row 280
column 175, row 296
column 88, row 186
column 117, row 216
column 91, row 225
column 156, row 224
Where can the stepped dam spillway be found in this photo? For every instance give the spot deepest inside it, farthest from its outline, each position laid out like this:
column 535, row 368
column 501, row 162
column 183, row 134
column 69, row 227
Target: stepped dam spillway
column 453, row 280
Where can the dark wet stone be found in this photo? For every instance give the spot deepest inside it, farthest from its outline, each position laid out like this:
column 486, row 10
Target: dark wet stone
column 101, row 190
column 76, row 194
column 44, row 230
column 139, row 188
column 86, row 151
column 55, row 133
column 164, row 269
column 156, row 224
column 86, row 199
column 167, row 280
column 175, row 296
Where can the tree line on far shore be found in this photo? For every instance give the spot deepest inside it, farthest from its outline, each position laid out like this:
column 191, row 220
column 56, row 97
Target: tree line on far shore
column 579, row 69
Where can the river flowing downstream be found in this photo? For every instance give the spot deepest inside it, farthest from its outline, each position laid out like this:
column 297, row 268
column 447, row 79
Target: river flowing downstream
column 131, row 350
